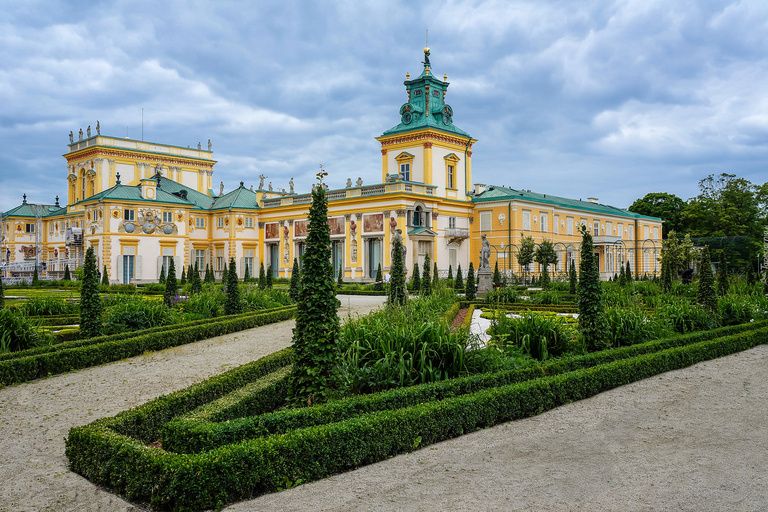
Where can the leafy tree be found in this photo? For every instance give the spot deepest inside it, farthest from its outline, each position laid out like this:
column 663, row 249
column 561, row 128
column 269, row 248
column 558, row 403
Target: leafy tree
column 225, row 275
column 765, row 283
column 666, row 276
column 706, row 295
column 183, row 279
column 171, row 286
column 379, row 285
column 269, row 276
column 2, row 293
column 750, row 277
column 426, row 280
column 397, row 291
column 496, row 275
column 262, row 278
column 316, row 355
column 628, row 274
column 573, row 278
column 590, row 297
column 450, row 272
column 545, row 256
column 67, row 276
column 459, row 283
column 161, row 279
column 295, row 290
column 526, row 253
column 247, row 274
column 722, row 276
column 667, row 207
column 90, row 301
column 416, row 279
column 470, row 292
column 233, row 304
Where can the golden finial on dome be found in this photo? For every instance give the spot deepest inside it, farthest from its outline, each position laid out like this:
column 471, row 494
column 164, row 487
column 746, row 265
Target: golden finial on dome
column 426, row 50
column 407, row 76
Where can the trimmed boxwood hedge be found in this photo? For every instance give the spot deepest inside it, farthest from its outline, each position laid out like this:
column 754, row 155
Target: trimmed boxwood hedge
column 360, row 292
column 56, row 320
column 74, row 355
column 114, row 452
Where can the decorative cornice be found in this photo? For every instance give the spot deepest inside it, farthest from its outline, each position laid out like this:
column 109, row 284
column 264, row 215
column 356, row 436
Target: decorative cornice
column 133, row 156
column 347, row 216
column 400, row 212
column 386, row 213
column 425, row 136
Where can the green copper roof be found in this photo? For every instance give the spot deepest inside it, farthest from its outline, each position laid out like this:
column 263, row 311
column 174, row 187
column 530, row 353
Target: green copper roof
column 241, row 197
column 133, row 193
column 497, row 193
column 426, row 107
column 200, row 200
column 28, row 210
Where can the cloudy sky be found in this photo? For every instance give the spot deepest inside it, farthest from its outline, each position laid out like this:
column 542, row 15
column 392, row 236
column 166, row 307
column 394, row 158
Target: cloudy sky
column 612, row 99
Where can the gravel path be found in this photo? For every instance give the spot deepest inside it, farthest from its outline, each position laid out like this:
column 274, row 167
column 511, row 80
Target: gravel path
column 693, row 439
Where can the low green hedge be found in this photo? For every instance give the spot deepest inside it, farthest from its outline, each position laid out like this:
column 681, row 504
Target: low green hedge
column 238, row 471
column 66, row 334
column 56, row 320
column 196, row 433
column 525, row 306
column 80, row 354
column 361, row 292
column 451, row 313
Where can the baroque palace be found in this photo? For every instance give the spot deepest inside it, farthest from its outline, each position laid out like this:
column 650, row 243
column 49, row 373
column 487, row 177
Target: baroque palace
column 139, row 204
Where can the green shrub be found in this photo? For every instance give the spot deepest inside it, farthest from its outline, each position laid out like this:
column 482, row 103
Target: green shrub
column 18, row 333
column 458, row 284
column 426, row 280
column 538, row 335
column 49, row 306
column 208, row 304
column 133, row 312
column 546, row 297
column 471, row 288
column 686, row 317
column 631, row 326
column 255, row 299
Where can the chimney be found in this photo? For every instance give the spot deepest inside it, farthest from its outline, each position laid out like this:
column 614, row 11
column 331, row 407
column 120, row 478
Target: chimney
column 592, row 200
column 479, row 188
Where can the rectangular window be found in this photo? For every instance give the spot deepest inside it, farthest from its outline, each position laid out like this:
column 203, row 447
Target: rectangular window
column 450, row 177
column 452, row 259
column 526, row 220
column 166, row 264
column 128, row 269
column 556, row 224
column 129, row 215
column 608, row 228
column 569, row 225
column 544, row 222
column 405, row 171
column 221, row 222
column 248, row 262
column 200, row 222
column 596, row 228
column 645, row 232
column 451, row 222
column 167, row 217
column 200, row 259
column 30, row 228
column 655, row 233
column 50, row 228
column 621, row 230
column 485, row 221
column 249, row 222
column 631, row 232
column 219, row 259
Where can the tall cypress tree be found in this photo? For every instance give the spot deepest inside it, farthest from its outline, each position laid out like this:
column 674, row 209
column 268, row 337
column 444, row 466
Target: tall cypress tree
column 247, row 274
column 435, row 276
column 426, row 280
column 183, row 278
column 622, row 276
column 416, row 279
column 573, row 278
column 316, row 355
column 590, row 297
column 262, row 277
column 295, row 290
column 171, row 285
column 458, row 284
column 225, row 275
column 2, row 293
column 397, row 293
column 706, row 295
column 269, row 276
column 161, row 279
column 340, row 281
column 232, row 303
column 450, row 272
column 379, row 285
column 90, row 301
column 105, row 277
column 628, row 274
column 470, row 292
column 67, row 276
column 197, row 285
column 35, row 276
column 496, row 275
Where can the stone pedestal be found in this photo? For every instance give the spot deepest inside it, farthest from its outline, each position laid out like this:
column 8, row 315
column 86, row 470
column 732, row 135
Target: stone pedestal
column 485, row 280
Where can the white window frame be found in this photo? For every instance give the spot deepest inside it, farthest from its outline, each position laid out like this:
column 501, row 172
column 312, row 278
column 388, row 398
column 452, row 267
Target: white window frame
column 129, row 214
column 569, row 225
column 249, row 222
column 200, row 222
column 167, row 217
column 485, row 220
column 556, row 221
column 220, row 223
column 526, row 220
column 544, row 223
column 405, row 171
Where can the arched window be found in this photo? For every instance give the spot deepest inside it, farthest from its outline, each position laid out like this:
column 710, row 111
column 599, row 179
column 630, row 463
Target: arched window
column 82, row 180
column 418, row 216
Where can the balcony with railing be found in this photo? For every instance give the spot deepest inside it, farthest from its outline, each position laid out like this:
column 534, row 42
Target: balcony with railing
column 364, row 191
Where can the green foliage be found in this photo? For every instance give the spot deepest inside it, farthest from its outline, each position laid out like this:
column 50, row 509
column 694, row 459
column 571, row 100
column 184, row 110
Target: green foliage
column 262, row 277
column 628, row 274
column 622, row 276
column 18, row 333
column 496, row 275
column 171, row 286
column 209, row 277
column 573, row 278
column 49, row 306
column 233, row 304
column 631, row 326
column 295, row 289
column 450, row 273
column 590, row 297
column 255, row 299
column 458, row 284
column 435, row 277
column 470, row 292
column 340, row 280
column 225, row 275
column 526, row 252
column 379, row 285
column 426, row 280
column 247, row 274
column 269, row 277
column 2, row 293
column 128, row 313
column 416, row 279
column 668, row 207
column 539, row 335
column 90, row 301
column 317, row 354
column 67, row 276
column 105, row 277
column 686, row 317
column 723, row 285
column 196, row 286
column 161, row 279
column 765, row 282
column 706, row 291
column 397, row 292
column 750, row 276
column 183, row 279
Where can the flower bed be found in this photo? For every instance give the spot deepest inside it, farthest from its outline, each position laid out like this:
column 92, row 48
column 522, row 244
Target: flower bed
column 312, row 443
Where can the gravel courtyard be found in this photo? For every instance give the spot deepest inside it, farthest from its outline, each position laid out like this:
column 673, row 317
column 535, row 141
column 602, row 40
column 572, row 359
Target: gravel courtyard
column 693, row 439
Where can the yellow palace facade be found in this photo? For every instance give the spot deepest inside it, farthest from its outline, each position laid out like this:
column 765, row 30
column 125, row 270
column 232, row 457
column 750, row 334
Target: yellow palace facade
column 139, row 204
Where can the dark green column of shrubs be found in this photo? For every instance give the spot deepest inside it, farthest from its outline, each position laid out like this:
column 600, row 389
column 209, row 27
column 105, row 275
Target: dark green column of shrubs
column 183, row 278
column 197, row 285
column 340, row 281
column 2, row 294
column 90, row 301
column 295, row 290
column 496, row 275
column 426, row 280
column 269, row 277
column 67, row 276
column 435, row 277
column 262, row 277
column 171, row 285
column 162, row 279
column 590, row 297
column 209, row 274
column 573, row 278
column 450, row 272
column 459, row 283
column 315, row 371
column 416, row 279
column 628, row 274
column 247, row 274
column 233, row 303
column 225, row 275
column 379, row 285
column 397, row 293
column 470, row 293
column 105, row 277
column 706, row 293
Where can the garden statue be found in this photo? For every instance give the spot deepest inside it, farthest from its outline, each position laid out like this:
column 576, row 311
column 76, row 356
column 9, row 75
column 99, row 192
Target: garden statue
column 290, row 184
column 71, row 137
column 270, row 186
column 209, row 144
column 89, row 131
column 221, row 189
column 359, row 181
column 398, row 236
column 98, row 128
column 349, row 180
column 485, row 253
column 261, row 181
